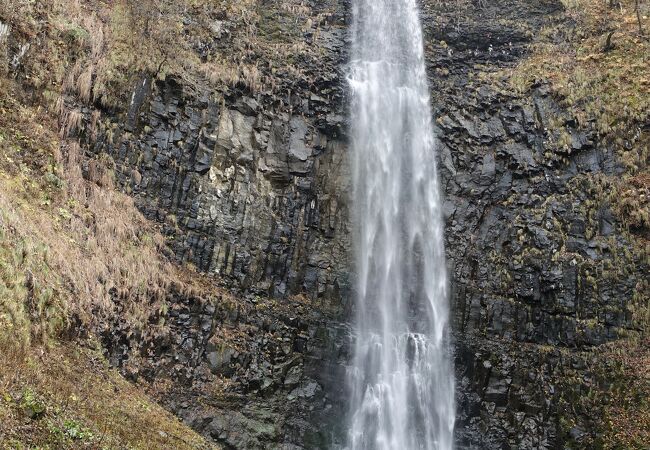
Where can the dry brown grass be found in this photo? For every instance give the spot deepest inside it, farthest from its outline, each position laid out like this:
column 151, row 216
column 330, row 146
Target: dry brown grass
column 93, row 51
column 628, row 416
column 75, row 255
column 610, row 86
column 76, row 245
column 222, row 71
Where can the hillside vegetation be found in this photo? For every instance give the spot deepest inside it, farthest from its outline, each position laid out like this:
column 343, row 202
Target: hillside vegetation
column 75, row 255
column 598, row 67
column 596, row 63
column 69, row 398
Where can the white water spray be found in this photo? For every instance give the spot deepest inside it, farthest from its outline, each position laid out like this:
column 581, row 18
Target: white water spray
column 401, row 379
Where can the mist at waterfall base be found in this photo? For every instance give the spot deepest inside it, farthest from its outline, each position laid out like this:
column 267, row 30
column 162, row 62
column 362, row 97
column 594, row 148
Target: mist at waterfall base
column 400, row 377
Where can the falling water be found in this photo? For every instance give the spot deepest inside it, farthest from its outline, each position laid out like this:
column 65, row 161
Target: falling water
column 401, row 381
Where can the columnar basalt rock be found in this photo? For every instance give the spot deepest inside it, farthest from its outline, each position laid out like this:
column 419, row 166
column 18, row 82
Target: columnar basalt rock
column 251, row 195
column 252, row 189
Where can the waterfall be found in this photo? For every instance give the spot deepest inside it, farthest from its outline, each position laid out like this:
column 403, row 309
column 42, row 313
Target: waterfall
column 401, row 379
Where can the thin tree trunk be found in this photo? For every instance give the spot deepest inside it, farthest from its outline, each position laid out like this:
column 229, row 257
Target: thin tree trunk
column 638, row 16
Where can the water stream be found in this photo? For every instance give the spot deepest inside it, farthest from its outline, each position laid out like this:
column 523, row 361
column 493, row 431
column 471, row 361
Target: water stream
column 401, row 380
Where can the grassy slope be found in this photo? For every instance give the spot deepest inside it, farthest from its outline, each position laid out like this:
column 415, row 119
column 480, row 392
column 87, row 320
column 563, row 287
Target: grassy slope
column 74, row 255
column 64, row 244
column 77, row 401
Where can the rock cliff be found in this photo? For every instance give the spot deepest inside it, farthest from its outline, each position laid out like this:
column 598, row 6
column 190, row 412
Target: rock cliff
column 543, row 271
column 250, row 185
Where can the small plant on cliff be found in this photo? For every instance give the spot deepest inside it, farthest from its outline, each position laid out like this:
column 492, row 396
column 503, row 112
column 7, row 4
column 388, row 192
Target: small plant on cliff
column 32, row 406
